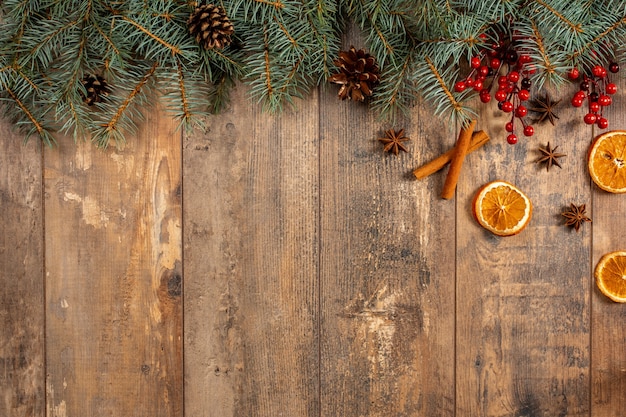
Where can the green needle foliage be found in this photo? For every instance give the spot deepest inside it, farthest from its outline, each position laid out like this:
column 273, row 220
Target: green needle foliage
column 281, row 48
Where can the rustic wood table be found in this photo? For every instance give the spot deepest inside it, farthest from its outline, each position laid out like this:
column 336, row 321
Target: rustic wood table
column 283, row 265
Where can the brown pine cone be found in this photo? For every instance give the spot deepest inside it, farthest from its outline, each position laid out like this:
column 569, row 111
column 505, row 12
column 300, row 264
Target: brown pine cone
column 97, row 88
column 210, row 26
column 358, row 74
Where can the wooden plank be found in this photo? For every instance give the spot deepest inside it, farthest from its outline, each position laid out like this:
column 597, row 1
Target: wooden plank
column 523, row 301
column 21, row 277
column 114, row 276
column 251, row 251
column 608, row 349
column 387, row 268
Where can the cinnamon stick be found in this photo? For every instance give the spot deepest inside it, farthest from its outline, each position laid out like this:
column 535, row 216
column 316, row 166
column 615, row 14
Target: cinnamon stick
column 462, row 145
column 478, row 139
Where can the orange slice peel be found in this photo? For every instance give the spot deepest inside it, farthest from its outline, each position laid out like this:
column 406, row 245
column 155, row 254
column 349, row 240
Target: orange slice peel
column 610, row 276
column 502, row 208
column 606, row 161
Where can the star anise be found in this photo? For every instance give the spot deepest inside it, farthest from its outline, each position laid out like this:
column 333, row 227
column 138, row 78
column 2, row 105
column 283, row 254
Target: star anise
column 575, row 216
column 393, row 141
column 545, row 107
column 549, row 156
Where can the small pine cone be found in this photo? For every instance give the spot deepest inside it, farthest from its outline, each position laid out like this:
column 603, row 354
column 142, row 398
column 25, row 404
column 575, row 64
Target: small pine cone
column 97, row 88
column 358, row 74
column 210, row 26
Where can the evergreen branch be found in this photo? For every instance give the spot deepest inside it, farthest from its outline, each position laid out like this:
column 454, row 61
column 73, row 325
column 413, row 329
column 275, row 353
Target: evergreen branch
column 548, row 66
column 455, row 104
column 276, row 4
column 107, row 39
column 175, row 50
column 598, row 38
column 286, row 32
column 575, row 27
column 183, row 92
column 266, row 56
column 112, row 124
column 52, row 35
column 33, row 120
column 291, row 75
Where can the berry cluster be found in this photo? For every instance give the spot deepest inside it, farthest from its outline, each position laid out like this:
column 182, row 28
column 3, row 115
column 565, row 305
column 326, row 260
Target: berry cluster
column 597, row 90
column 513, row 83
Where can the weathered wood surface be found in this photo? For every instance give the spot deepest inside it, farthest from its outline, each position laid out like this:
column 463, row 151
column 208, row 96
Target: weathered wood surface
column 319, row 278
column 113, row 232
column 608, row 324
column 22, row 315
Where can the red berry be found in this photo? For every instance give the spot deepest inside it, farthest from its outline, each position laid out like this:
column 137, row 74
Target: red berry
column 577, row 102
column 500, row 95
column 523, row 95
column 485, row 97
column 469, row 82
column 580, row 95
column 484, row 70
column 598, row 71
column 573, row 74
column 513, row 76
column 521, row 111
column 507, row 107
column 508, row 127
column 526, row 83
column 611, row 88
column 602, row 123
column 604, row 100
column 614, row 67
column 475, row 62
column 524, row 59
column 460, row 86
column 511, row 139
column 502, row 80
column 590, row 118
column 529, row 130
column 478, row 85
column 494, row 63
column 594, row 107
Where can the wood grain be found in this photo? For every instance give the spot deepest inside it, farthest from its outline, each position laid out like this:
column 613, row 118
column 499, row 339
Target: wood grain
column 608, row 348
column 114, row 276
column 22, row 317
column 387, row 268
column 251, row 252
column 523, row 301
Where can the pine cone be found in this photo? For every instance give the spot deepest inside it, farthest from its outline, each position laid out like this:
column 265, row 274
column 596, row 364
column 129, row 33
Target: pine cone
column 97, row 88
column 210, row 26
column 358, row 74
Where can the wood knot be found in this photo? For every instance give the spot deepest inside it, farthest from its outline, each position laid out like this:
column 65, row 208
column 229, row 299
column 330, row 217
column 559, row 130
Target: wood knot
column 175, row 286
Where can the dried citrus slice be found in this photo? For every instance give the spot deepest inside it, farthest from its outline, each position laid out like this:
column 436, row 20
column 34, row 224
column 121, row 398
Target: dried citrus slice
column 611, row 276
column 607, row 161
column 502, row 208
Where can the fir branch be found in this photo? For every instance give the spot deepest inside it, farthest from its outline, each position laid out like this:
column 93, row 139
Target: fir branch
column 444, row 88
column 183, row 93
column 111, row 125
column 548, row 67
column 266, row 56
column 175, row 50
column 38, row 126
column 276, row 4
column 575, row 27
column 286, row 32
column 599, row 37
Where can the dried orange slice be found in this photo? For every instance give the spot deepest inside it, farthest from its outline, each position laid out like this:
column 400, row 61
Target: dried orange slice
column 502, row 208
column 607, row 161
column 611, row 276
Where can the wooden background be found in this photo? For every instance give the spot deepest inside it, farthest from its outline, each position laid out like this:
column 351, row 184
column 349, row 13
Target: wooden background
column 285, row 266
